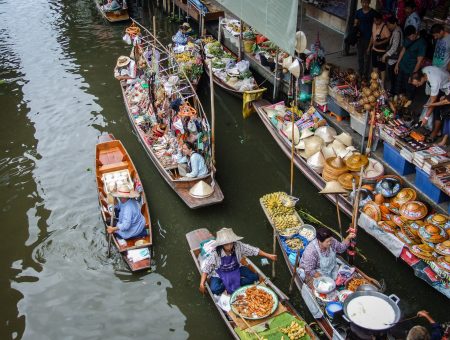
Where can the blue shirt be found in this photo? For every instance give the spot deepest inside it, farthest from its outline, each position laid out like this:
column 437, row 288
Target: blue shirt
column 198, row 166
column 180, row 38
column 365, row 22
column 413, row 20
column 131, row 221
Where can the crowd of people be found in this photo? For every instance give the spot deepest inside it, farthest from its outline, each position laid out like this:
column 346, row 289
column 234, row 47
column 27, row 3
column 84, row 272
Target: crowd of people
column 407, row 57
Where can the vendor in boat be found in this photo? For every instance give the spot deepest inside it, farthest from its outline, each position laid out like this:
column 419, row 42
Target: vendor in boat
column 131, row 222
column 191, row 164
column 187, row 29
column 112, row 5
column 181, row 38
column 319, row 257
column 125, row 69
column 224, row 267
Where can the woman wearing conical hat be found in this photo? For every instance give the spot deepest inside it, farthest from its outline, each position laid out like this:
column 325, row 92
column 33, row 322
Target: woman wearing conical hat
column 223, row 265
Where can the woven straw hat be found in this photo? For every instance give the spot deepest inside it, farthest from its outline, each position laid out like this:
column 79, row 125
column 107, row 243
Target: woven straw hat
column 328, row 152
column 327, row 133
column 405, row 195
column 334, row 167
column 443, row 248
column 432, row 233
column 300, row 42
column 301, row 144
column 287, row 131
column 337, row 146
column 423, row 251
column 389, row 186
column 437, row 219
column 374, row 169
column 344, row 138
column 294, row 68
column 333, row 187
column 346, row 180
column 312, row 145
column 443, row 262
column 123, row 61
column 356, row 161
column 201, row 190
column 413, row 210
column 372, row 210
column 316, row 162
column 225, row 236
column 306, row 133
column 125, row 192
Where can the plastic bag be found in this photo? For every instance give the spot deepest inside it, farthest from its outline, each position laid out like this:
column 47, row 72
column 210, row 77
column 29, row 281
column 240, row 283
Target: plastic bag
column 191, row 126
column 243, row 66
column 178, row 124
column 127, row 38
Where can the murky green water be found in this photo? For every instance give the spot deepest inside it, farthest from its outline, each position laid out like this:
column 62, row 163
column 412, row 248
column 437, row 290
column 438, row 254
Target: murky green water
column 57, row 95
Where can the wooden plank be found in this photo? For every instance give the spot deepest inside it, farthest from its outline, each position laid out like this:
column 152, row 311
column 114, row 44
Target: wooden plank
column 113, row 167
column 114, row 155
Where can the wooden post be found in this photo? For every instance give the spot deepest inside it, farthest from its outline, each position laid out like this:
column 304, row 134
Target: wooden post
column 240, row 40
column 274, row 251
column 292, row 136
column 154, row 31
column 338, row 213
column 313, row 90
column 275, row 77
column 213, row 115
column 219, row 33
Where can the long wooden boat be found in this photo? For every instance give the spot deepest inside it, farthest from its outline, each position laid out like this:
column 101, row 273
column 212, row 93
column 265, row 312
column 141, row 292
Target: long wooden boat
column 182, row 91
column 218, row 81
column 112, row 158
column 315, row 305
column 285, row 145
column 234, row 323
column 113, row 16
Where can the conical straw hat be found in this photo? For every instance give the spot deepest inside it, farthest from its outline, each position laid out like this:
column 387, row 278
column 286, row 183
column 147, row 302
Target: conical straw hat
column 300, row 42
column 356, row 161
column 345, row 138
column 201, row 190
column 225, row 236
column 125, row 192
column 287, row 130
column 328, row 152
column 337, row 146
column 316, row 162
column 327, row 133
column 312, row 145
column 306, row 133
column 333, row 187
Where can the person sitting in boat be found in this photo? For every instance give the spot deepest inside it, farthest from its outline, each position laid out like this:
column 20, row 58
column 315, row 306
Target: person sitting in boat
column 223, row 264
column 187, row 29
column 111, row 5
column 191, row 164
column 180, row 38
column 125, row 69
column 130, row 222
column 319, row 257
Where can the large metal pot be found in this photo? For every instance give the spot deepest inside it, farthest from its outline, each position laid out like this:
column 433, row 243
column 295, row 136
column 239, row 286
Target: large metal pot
column 392, row 300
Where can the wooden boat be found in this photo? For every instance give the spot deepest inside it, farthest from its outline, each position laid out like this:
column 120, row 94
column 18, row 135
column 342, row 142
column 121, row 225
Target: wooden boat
column 113, row 16
column 214, row 12
column 110, row 157
column 219, row 82
column 184, row 91
column 232, row 320
column 285, row 145
column 315, row 305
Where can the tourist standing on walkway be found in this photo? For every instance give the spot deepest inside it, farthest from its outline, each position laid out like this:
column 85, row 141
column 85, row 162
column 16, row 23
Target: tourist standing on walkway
column 441, row 56
column 412, row 18
column 379, row 44
column 363, row 22
column 409, row 61
column 393, row 51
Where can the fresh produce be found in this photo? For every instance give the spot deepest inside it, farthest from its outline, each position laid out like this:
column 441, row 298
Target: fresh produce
column 294, row 331
column 278, row 203
column 295, row 244
column 283, row 222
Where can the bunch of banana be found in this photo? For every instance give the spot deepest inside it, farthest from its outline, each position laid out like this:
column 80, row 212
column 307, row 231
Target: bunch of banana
column 183, row 57
column 294, row 331
column 274, row 203
column 208, row 40
column 283, row 222
column 294, row 244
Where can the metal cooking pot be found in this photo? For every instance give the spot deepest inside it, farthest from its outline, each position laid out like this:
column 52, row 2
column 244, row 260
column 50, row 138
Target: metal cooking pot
column 367, row 287
column 392, row 300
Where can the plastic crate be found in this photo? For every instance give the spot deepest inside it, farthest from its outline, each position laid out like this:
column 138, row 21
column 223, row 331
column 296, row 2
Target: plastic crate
column 396, row 161
column 335, row 108
column 423, row 183
column 357, row 123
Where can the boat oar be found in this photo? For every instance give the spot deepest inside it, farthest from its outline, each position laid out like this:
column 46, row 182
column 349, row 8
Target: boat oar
column 110, row 199
column 351, row 251
column 407, row 319
column 297, row 260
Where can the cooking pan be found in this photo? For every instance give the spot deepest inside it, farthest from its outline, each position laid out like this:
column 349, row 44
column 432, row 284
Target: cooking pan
column 391, row 300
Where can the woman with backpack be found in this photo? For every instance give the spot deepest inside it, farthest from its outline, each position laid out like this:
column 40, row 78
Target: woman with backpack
column 378, row 44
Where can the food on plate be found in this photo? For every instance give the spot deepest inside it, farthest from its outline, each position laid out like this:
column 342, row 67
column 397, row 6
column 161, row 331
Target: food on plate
column 254, row 302
column 294, row 331
column 295, row 244
column 354, row 283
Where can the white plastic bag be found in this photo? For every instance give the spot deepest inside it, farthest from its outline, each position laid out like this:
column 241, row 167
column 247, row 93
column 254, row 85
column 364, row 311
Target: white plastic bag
column 127, row 38
column 243, row 66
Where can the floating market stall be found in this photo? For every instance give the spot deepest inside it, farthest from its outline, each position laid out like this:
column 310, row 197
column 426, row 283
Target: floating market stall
column 165, row 111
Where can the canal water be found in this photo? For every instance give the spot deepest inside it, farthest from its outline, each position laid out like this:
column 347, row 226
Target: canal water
column 57, row 95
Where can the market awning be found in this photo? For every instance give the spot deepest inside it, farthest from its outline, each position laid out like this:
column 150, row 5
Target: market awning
column 277, row 20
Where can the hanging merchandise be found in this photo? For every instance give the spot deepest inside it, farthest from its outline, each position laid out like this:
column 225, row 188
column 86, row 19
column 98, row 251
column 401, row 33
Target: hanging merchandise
column 321, row 88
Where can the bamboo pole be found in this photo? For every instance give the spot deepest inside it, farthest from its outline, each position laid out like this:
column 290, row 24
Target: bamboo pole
column 213, row 115
column 219, row 33
column 275, row 77
column 274, row 251
column 292, row 144
column 338, row 213
column 240, row 41
column 154, row 30
column 351, row 250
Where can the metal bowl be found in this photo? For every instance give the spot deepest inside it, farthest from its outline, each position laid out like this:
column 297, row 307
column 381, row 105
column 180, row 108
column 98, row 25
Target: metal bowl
column 367, row 287
column 328, row 280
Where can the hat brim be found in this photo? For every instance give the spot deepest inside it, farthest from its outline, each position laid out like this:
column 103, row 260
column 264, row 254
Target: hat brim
column 232, row 240
column 131, row 194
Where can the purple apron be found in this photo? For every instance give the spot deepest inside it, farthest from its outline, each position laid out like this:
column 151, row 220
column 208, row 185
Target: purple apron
column 229, row 273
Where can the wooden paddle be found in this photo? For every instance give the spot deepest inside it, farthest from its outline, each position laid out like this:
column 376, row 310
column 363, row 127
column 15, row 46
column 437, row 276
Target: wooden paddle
column 110, row 199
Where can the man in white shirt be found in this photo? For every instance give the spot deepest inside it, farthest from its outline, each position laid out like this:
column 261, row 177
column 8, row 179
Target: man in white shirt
column 412, row 18
column 438, row 81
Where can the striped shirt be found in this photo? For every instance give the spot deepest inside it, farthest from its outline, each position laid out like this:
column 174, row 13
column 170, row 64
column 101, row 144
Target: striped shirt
column 213, row 261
